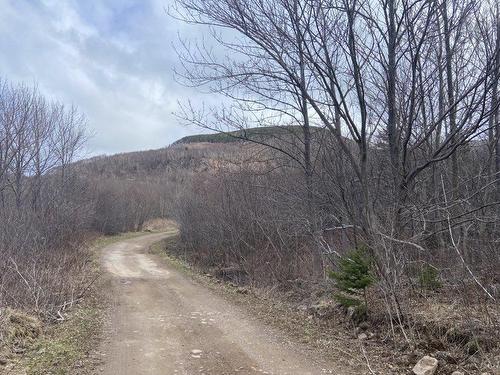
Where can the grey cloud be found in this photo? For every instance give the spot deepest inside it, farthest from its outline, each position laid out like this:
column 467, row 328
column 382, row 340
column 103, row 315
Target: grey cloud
column 112, row 58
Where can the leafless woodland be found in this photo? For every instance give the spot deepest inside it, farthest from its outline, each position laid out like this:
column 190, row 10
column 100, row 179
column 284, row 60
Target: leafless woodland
column 42, row 208
column 397, row 104
column 358, row 124
column 406, row 96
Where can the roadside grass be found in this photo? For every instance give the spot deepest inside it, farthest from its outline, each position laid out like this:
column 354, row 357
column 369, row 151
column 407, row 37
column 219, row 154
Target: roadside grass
column 65, row 347
column 159, row 248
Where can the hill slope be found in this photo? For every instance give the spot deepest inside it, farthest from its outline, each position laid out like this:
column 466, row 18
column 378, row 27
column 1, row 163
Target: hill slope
column 252, row 134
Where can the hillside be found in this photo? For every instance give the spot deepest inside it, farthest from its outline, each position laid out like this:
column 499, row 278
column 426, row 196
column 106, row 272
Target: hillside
column 154, row 163
column 262, row 134
column 243, row 220
column 195, row 152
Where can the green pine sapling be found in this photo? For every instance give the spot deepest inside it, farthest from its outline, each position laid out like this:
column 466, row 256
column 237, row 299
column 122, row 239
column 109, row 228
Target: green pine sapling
column 353, row 278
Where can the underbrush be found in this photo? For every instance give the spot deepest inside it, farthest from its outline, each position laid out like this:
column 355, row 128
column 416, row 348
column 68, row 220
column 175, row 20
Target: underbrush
column 48, row 281
column 59, row 340
column 454, row 325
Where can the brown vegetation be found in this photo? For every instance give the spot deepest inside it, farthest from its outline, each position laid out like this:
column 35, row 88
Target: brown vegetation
column 406, row 164
column 44, row 207
column 381, row 133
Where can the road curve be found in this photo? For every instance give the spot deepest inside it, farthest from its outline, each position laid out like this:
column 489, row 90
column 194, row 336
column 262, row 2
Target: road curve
column 164, row 323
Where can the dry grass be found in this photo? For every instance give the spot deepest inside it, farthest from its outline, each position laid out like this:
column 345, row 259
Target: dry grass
column 308, row 315
column 18, row 331
column 30, row 346
column 67, row 346
column 159, row 225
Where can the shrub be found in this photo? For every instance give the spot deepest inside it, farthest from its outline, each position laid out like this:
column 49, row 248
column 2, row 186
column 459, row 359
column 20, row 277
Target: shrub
column 353, row 277
column 429, row 278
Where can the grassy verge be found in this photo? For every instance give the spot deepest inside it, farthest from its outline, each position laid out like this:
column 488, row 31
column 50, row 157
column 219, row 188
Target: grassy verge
column 158, row 248
column 67, row 347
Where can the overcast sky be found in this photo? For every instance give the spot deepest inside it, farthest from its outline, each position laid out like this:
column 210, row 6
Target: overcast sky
column 112, row 58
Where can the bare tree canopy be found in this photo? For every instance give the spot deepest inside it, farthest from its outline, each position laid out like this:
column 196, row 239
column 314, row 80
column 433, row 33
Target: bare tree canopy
column 404, row 95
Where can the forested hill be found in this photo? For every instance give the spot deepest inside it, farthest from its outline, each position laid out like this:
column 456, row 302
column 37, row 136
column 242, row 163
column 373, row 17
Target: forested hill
column 152, row 163
column 193, row 152
column 132, row 187
column 261, row 134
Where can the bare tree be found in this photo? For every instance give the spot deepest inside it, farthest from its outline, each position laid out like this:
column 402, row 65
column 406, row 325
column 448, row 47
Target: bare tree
column 43, row 217
column 393, row 83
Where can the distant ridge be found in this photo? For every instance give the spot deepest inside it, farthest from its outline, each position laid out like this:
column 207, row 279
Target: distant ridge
column 255, row 134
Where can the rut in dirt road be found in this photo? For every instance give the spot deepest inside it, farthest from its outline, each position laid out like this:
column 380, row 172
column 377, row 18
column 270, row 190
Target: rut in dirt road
column 163, row 323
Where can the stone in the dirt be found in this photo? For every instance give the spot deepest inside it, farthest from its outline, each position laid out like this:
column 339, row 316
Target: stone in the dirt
column 322, row 309
column 362, row 336
column 196, row 353
column 457, row 373
column 3, row 361
column 426, row 366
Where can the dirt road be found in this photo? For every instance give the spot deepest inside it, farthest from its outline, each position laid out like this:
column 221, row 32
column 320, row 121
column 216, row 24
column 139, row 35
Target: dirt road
column 163, row 323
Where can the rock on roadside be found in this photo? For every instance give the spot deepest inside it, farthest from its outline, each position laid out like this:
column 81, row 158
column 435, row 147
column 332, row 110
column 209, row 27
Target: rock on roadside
column 426, row 366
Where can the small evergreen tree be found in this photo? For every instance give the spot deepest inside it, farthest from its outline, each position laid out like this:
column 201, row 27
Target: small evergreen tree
column 429, row 278
column 353, row 277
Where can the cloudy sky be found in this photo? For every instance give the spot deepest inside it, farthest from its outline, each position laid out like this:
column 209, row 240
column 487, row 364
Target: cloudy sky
column 112, row 58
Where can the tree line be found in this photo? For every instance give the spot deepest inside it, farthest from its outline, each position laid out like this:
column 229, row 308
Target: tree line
column 43, row 207
column 51, row 207
column 406, row 161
